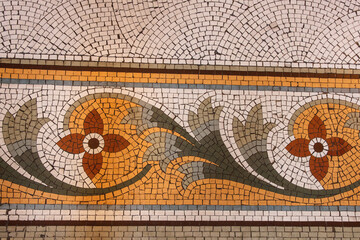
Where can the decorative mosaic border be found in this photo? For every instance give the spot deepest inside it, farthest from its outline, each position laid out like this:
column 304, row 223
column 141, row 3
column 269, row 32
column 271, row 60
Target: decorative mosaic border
column 308, row 118
column 134, row 67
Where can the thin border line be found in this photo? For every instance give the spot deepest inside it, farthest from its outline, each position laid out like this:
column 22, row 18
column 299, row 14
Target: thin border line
column 90, row 207
column 181, row 71
column 177, row 86
column 178, row 223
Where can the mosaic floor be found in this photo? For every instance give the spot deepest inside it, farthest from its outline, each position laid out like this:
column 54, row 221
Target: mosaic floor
column 179, row 119
column 126, row 145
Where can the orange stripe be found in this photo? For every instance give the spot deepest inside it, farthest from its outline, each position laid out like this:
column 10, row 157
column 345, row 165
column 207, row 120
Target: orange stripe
column 103, row 76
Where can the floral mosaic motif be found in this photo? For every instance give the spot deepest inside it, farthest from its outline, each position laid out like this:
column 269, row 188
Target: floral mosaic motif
column 126, row 143
column 93, row 143
column 20, row 135
column 319, row 147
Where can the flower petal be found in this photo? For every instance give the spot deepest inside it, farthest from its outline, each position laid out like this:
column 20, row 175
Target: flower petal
column 299, row 147
column 72, row 143
column 317, row 128
column 319, row 167
column 337, row 146
column 93, row 123
column 92, row 164
column 115, row 143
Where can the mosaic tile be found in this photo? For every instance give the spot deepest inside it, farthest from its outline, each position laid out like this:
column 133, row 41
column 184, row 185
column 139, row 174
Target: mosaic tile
column 171, row 152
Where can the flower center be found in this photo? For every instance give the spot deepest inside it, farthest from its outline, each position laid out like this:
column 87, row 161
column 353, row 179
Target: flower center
column 318, row 147
column 93, row 143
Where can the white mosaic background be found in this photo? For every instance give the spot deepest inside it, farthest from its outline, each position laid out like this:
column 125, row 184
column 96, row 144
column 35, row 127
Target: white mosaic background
column 274, row 33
